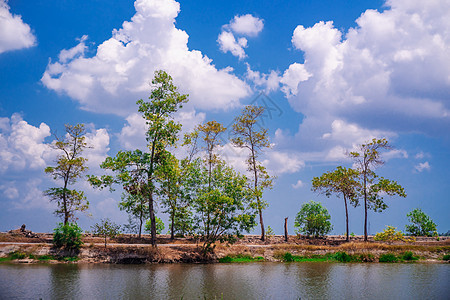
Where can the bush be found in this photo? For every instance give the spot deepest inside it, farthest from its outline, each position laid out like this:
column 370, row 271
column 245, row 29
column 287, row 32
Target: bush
column 390, row 234
column 421, row 225
column 446, row 257
column 313, row 219
column 17, row 255
column 388, row 258
column 342, row 257
column 288, row 257
column 366, row 257
column 408, row 256
column 68, row 237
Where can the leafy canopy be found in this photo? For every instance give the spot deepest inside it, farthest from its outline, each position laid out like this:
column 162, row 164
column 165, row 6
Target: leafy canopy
column 313, row 219
column 421, row 224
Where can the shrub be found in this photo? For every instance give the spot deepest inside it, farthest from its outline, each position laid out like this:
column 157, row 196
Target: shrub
column 366, row 257
column 288, row 257
column 17, row 255
column 313, row 219
column 342, row 256
column 68, row 237
column 388, row 258
column 446, row 257
column 421, row 224
column 390, row 234
column 408, row 256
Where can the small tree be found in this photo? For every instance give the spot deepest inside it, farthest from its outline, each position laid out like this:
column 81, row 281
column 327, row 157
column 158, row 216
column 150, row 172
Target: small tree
column 68, row 236
column 373, row 187
column 247, row 135
column 106, row 228
column 342, row 182
column 313, row 219
column 159, row 225
column 390, row 234
column 70, row 166
column 421, row 225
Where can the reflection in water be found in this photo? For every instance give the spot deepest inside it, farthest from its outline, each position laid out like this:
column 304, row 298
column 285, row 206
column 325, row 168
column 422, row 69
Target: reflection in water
column 233, row 281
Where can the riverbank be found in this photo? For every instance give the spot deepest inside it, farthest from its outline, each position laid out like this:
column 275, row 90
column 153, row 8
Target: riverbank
column 127, row 249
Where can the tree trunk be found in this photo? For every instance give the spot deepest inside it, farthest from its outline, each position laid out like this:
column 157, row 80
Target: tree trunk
column 152, row 219
column 172, row 234
column 140, row 223
column 263, row 233
column 365, row 209
column 346, row 219
column 105, row 241
column 285, row 230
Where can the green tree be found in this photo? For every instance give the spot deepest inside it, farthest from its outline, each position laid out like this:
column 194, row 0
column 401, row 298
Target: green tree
column 106, row 228
column 248, row 136
column 135, row 170
column 313, row 219
column 137, row 207
column 373, row 187
column 172, row 191
column 159, row 225
column 70, row 166
column 342, row 182
column 68, row 236
column 220, row 200
column 421, row 224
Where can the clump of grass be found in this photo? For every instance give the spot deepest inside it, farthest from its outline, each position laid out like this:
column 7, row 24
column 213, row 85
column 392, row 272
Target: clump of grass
column 366, row 257
column 17, row 255
column 46, row 257
column 388, row 258
column 409, row 256
column 240, row 258
column 68, row 258
column 446, row 257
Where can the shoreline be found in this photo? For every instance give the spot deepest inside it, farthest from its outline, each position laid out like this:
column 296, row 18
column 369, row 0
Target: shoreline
column 126, row 250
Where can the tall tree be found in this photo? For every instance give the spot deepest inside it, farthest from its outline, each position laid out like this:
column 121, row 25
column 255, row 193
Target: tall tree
column 373, row 187
column 221, row 203
column 70, row 166
column 247, row 135
column 134, row 167
column 341, row 181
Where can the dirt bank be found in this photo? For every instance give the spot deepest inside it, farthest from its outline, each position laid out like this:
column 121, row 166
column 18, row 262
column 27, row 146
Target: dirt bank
column 129, row 249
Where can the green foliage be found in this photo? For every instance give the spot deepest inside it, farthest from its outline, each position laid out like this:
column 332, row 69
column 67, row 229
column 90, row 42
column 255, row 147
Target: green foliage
column 288, row 257
column 342, row 256
column 17, row 255
column 390, row 234
column 270, row 233
column 248, row 136
column 373, row 188
column 70, row 166
column 68, row 237
column 446, row 257
column 342, row 182
column 313, row 219
column 159, row 225
column 135, row 170
column 106, row 228
column 388, row 258
column 240, row 258
column 421, row 225
column 408, row 256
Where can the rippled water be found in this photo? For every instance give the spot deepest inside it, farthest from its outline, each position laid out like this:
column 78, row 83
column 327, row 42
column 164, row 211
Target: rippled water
column 230, row 281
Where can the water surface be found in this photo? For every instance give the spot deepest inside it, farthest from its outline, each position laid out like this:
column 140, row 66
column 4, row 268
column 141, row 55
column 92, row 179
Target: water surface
column 232, row 281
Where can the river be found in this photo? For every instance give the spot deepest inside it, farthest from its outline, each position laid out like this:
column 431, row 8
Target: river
column 227, row 281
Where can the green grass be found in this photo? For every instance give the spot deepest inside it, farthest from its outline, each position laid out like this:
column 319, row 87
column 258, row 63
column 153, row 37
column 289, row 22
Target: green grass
column 340, row 256
column 388, row 258
column 408, row 256
column 446, row 257
column 240, row 258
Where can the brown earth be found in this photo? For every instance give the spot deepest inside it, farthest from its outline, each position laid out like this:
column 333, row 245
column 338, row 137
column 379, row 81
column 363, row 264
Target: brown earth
column 130, row 249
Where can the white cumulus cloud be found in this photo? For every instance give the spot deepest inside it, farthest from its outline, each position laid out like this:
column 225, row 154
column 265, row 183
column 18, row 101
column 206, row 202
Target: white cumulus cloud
column 298, row 184
column 246, row 25
column 122, row 69
column 14, row 33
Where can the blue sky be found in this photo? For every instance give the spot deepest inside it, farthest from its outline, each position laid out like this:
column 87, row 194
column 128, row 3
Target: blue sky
column 335, row 74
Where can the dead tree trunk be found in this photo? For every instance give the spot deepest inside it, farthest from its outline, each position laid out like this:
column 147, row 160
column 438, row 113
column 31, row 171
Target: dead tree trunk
column 285, row 230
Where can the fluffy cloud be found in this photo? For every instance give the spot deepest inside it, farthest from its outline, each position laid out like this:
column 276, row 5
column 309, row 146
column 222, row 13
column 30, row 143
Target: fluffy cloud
column 228, row 43
column 422, row 167
column 246, row 25
column 270, row 82
column 14, row 33
column 124, row 65
column 389, row 74
column 22, row 145
column 298, row 184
